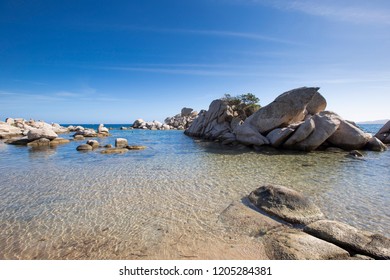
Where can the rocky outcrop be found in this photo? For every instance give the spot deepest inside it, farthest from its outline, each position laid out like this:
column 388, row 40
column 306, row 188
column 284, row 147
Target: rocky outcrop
column 19, row 127
column 286, row 204
column 295, row 120
column 384, row 133
column 275, row 219
column 351, row 238
column 178, row 122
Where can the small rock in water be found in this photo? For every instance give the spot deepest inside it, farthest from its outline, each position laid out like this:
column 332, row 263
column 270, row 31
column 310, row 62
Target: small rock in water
column 114, row 151
column 84, row 147
column 356, row 154
column 136, row 147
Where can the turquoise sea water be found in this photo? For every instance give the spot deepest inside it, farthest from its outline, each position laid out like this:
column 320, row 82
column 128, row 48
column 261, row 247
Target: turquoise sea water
column 164, row 202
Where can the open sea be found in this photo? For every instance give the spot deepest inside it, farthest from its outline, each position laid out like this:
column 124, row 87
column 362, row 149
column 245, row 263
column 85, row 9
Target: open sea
column 164, row 202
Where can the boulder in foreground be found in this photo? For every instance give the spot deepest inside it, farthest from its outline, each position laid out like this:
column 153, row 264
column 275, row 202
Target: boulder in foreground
column 286, row 204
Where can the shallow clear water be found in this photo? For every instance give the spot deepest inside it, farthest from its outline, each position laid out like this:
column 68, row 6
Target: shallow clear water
column 164, row 202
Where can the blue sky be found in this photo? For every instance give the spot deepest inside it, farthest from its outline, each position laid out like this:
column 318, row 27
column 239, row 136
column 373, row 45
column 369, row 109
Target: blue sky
column 115, row 61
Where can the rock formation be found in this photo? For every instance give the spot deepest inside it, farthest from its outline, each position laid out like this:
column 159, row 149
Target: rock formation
column 178, row 122
column 275, row 215
column 295, row 120
column 384, row 133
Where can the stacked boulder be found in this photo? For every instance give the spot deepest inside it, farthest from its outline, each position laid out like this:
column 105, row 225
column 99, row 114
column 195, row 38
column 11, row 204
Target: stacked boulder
column 295, row 120
column 183, row 120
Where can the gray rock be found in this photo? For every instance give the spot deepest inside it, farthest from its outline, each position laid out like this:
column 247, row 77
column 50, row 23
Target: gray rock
column 296, row 245
column 326, row 123
column 84, row 147
column 185, row 112
column 384, row 133
column 37, row 133
column 348, row 137
column 120, row 142
column 317, row 104
column 248, row 135
column 374, row 144
column 286, row 204
column 355, row 154
column 277, row 136
column 350, row 238
column 301, row 133
column 138, row 123
column 93, row 143
column 288, row 108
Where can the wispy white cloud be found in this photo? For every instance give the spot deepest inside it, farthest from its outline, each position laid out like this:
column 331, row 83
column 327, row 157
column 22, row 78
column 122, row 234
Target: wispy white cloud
column 204, row 32
column 364, row 12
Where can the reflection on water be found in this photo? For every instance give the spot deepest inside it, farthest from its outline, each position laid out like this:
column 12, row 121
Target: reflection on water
column 164, row 202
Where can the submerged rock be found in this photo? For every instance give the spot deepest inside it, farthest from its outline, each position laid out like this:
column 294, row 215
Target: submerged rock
column 296, row 245
column 286, row 204
column 350, row 238
column 114, row 151
column 240, row 218
column 136, row 147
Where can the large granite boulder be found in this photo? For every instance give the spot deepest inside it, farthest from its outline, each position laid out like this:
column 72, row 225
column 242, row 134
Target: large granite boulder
column 351, row 238
column 384, row 133
column 286, row 204
column 277, row 136
column 325, row 123
column 38, row 133
column 288, row 108
column 297, row 245
column 348, row 136
column 301, row 133
column 316, row 105
column 248, row 135
column 374, row 144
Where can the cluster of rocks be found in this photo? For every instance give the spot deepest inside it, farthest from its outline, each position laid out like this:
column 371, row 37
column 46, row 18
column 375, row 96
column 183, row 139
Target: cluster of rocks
column 81, row 132
column 31, row 133
column 295, row 120
column 291, row 227
column 121, row 146
column 384, row 133
column 178, row 122
column 19, row 127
